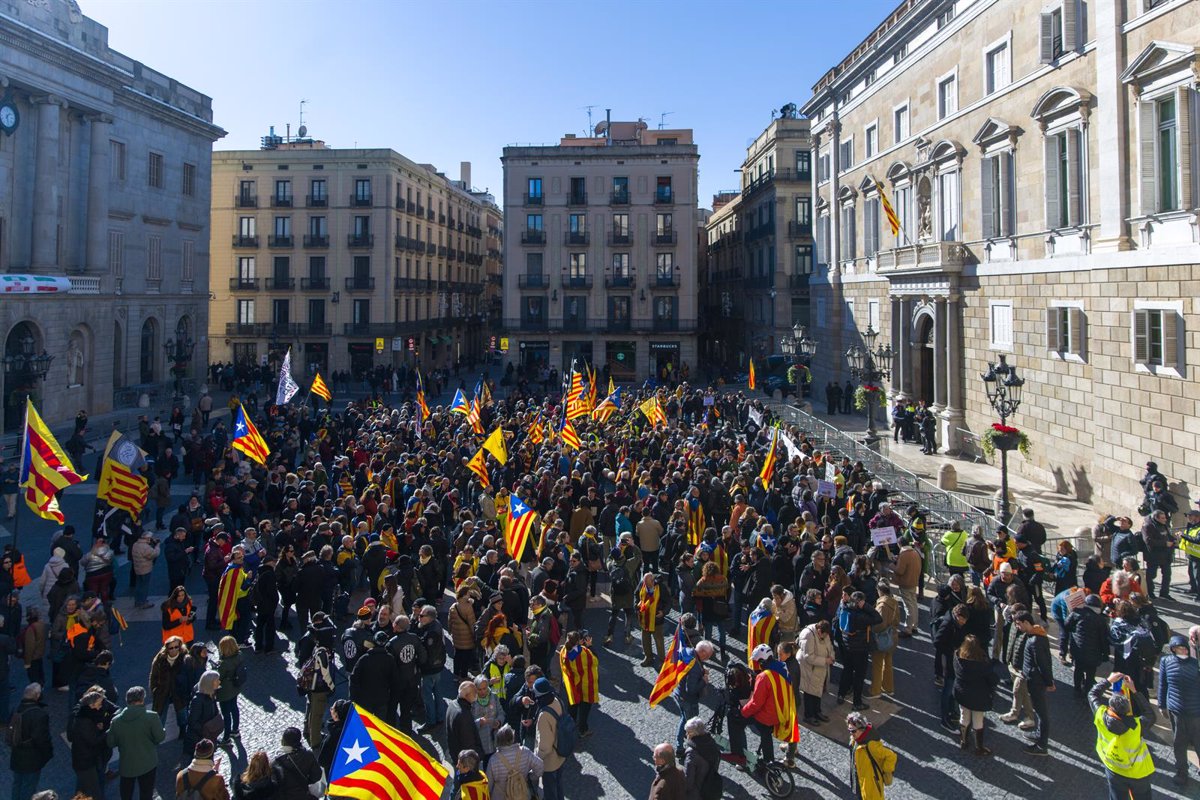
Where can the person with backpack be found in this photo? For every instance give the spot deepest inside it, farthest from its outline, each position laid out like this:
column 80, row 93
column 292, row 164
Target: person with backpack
column 295, row 770
column 555, row 738
column 233, row 672
column 624, row 566
column 429, row 630
column 872, row 763
column 204, row 721
column 30, row 745
column 136, row 733
column 701, row 762
column 201, row 780
column 315, row 684
column 513, row 768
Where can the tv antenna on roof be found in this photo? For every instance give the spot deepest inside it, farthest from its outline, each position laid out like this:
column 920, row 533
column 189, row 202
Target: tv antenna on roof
column 589, row 127
column 302, row 131
column 662, row 118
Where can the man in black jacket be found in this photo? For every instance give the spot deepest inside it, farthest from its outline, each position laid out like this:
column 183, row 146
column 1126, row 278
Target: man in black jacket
column 429, row 630
column 1039, row 676
column 266, row 597
column 461, row 731
column 573, row 592
column 310, row 587
column 295, row 768
column 375, row 681
column 854, row 620
column 32, row 745
column 409, row 653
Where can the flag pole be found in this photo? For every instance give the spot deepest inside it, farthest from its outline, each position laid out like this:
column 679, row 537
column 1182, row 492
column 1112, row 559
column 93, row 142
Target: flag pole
column 21, row 455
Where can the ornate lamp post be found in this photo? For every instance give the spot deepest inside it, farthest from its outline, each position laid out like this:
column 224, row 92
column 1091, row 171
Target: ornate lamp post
column 1004, row 389
column 801, row 349
column 27, row 363
column 179, row 352
column 868, row 366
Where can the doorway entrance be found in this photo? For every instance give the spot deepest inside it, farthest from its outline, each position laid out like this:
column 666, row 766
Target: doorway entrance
column 923, row 356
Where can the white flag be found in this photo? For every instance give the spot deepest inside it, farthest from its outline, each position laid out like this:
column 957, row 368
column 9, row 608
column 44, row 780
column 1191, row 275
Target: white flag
column 287, row 387
column 792, row 450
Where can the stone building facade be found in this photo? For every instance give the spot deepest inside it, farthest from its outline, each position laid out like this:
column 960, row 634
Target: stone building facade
column 1039, row 158
column 600, row 251
column 354, row 258
column 760, row 248
column 104, row 179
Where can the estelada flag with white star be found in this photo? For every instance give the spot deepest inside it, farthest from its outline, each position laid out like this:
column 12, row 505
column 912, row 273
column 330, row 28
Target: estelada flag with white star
column 247, row 438
column 374, row 760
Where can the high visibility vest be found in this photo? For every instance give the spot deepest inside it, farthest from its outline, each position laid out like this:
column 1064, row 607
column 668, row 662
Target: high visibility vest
column 74, row 631
column 20, row 573
column 1126, row 755
column 181, row 628
column 1189, row 542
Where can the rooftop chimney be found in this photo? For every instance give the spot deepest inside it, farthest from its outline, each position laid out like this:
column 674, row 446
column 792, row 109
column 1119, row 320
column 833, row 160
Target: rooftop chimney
column 464, row 174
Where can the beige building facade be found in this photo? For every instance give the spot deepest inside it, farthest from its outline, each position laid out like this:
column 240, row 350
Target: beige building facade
column 760, row 248
column 600, row 251
column 355, row 258
column 1039, row 157
column 104, row 180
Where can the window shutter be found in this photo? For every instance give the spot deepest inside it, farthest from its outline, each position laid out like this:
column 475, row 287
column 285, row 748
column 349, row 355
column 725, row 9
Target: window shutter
column 1009, row 197
column 1170, row 328
column 1070, row 18
column 986, row 188
column 1047, row 37
column 1053, row 213
column 1146, row 171
column 1183, row 115
column 1141, row 337
column 1077, row 323
column 1074, row 171
column 1052, row 343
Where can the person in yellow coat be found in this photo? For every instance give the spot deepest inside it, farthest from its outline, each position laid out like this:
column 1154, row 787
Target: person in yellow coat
column 872, row 762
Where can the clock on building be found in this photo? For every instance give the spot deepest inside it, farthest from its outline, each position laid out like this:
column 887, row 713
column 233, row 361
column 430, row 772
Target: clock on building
column 10, row 118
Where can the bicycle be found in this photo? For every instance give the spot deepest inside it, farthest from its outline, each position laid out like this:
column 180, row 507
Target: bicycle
column 777, row 779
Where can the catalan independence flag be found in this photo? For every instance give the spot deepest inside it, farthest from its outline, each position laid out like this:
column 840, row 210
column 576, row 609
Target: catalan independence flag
column 566, row 430
column 45, row 468
column 122, row 483
column 888, row 211
column 653, row 411
column 750, row 382
column 234, row 585
column 536, row 434
column 476, row 789
column 520, row 526
column 680, row 658
column 768, row 467
column 479, row 467
column 696, row 521
column 247, row 438
column 459, row 404
column 787, row 729
column 320, row 389
column 474, row 416
column 581, row 674
column 607, row 407
column 374, row 760
column 759, row 628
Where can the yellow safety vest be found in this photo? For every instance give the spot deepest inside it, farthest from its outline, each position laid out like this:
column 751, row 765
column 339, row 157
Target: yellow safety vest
column 1189, row 542
column 1126, row 755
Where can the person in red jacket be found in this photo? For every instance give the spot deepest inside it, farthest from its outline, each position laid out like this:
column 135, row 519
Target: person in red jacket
column 760, row 709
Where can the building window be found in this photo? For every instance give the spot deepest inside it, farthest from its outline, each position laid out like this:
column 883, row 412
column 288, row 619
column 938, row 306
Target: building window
column 871, row 212
column 1060, row 32
column 1001, row 319
column 846, row 154
column 804, row 214
column 246, row 269
column 154, row 258
column 534, row 186
column 316, row 226
column 281, row 312
column 663, row 192
column 316, row 311
column 1157, row 334
column 154, row 171
column 804, row 259
column 620, row 190
column 871, row 141
column 947, row 95
column 1166, row 143
column 822, row 167
column 577, row 266
column 189, row 180
column 945, row 17
column 900, row 124
column 533, row 222
column 116, row 253
column 846, row 249
column 316, row 269
column 902, row 205
column 283, row 192
column 362, row 312
column 1065, row 331
column 1064, row 179
column 664, row 267
column 873, row 314
column 578, row 223
column 245, row 312
column 997, row 195
column 362, row 226
column 663, row 225
column 618, row 310
column 620, row 265
column 823, row 239
column 283, row 228
column 362, row 190
column 803, row 165
column 620, row 225
column 116, row 156
column 948, row 211
column 247, row 227
column 187, row 270
column 317, row 190
column 997, row 68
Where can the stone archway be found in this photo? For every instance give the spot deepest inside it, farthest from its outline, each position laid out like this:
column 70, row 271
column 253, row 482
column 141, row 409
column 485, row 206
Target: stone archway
column 148, row 353
column 923, row 358
column 21, row 380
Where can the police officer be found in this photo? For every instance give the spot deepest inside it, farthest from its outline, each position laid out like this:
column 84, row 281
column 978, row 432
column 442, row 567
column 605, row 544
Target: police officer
column 1127, row 763
column 1189, row 543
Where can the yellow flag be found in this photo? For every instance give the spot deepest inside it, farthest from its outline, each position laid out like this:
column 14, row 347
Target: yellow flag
column 494, row 444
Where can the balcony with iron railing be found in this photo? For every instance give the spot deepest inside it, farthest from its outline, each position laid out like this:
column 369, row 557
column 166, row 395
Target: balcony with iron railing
column 360, row 200
column 533, row 237
column 429, row 214
column 360, row 240
column 311, row 328
column 662, row 198
column 248, row 328
column 576, row 198
column 533, row 280
column 314, row 283
column 576, row 281
column 576, row 238
column 410, row 206
column 279, row 241
column 239, row 284
column 281, row 201
column 420, row 209
column 317, row 201
column 618, row 325
column 441, row 219
column 619, row 198
column 401, row 241
column 312, row 240
column 664, row 281
column 527, row 324
column 620, row 239
column 474, row 233
column 799, row 230
column 533, row 199
column 760, row 281
column 664, row 237
column 575, row 324
column 245, row 200
column 665, row 325
column 280, row 283
column 245, row 241
column 798, row 282
column 430, row 248
column 360, row 283
column 618, row 281
column 441, row 251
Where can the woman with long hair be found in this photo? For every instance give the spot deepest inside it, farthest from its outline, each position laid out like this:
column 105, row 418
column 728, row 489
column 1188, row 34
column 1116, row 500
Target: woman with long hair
column 256, row 782
column 974, row 688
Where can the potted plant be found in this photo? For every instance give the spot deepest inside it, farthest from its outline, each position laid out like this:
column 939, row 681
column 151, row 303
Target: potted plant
column 1004, row 437
column 867, row 393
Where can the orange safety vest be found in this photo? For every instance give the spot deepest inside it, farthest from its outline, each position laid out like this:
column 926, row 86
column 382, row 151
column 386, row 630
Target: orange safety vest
column 74, row 631
column 181, row 627
column 20, row 574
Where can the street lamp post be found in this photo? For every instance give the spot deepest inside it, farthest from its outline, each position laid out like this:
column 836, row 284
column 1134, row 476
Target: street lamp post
column 1004, row 389
column 868, row 365
column 179, row 352
column 801, row 349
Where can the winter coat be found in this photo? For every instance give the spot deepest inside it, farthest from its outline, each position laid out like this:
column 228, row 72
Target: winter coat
column 461, row 619
column 375, row 682
column 863, row 770
column 50, row 574
column 89, row 749
column 135, row 733
column 889, row 614
column 1179, row 685
column 701, row 755
column 1088, row 629
column 949, row 635
column 163, row 675
column 786, row 619
column 33, row 640
column 1035, row 658
column 814, row 655
column 517, row 758
column 974, row 684
column 35, row 747
column 852, row 627
column 668, row 784
column 547, row 733
column 293, row 771
column 227, row 668
column 1157, row 539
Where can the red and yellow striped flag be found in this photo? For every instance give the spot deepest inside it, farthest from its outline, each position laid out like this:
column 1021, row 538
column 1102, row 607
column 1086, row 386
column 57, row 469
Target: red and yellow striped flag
column 374, row 760
column 320, row 389
column 751, row 383
column 888, row 211
column 679, row 660
column 479, row 467
column 45, row 468
column 768, row 467
column 247, row 439
column 581, row 674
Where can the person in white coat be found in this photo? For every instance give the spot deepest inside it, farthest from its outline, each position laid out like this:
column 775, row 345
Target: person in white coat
column 815, row 657
column 55, row 565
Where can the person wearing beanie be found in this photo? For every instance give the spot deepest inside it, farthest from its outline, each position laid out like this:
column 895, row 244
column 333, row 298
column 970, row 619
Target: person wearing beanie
column 201, row 774
column 50, row 573
column 549, row 712
column 1087, row 634
column 295, row 769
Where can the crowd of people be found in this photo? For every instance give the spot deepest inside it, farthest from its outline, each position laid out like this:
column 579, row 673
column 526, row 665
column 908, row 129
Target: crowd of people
column 382, row 557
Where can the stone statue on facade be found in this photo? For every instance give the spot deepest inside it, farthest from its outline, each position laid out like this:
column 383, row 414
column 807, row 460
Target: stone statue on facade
column 74, row 361
column 924, row 213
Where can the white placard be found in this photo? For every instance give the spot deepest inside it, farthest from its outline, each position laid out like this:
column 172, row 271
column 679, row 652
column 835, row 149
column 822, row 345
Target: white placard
column 882, row 536
column 756, row 417
column 792, row 450
column 830, row 471
column 827, row 489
